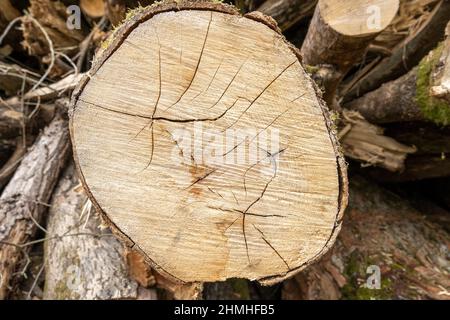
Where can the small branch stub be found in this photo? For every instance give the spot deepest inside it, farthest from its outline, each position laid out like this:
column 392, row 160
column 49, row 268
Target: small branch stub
column 201, row 139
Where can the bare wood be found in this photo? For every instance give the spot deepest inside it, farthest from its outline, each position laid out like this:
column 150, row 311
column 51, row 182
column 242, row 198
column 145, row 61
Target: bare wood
column 46, row 93
column 339, row 35
column 179, row 291
column 10, row 122
column 365, row 142
column 383, row 230
column 197, row 220
column 287, row 13
column 406, row 55
column 83, row 260
column 24, row 199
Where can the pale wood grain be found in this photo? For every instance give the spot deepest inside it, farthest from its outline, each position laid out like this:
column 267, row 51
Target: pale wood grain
column 197, row 221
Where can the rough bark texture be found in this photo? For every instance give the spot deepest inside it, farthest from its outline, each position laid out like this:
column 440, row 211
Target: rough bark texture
column 24, row 199
column 381, row 230
column 83, row 260
column 287, row 13
column 393, row 102
column 406, row 55
column 413, row 96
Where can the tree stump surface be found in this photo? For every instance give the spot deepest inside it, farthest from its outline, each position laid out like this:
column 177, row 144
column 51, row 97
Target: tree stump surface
column 204, row 144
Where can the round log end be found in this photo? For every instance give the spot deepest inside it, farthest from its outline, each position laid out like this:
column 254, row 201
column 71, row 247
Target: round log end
column 358, row 17
column 203, row 142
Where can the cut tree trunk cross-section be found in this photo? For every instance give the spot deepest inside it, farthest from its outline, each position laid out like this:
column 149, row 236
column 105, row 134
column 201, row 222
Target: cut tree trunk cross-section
column 202, row 141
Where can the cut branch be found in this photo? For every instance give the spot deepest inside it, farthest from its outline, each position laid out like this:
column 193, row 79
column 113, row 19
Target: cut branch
column 406, row 55
column 421, row 94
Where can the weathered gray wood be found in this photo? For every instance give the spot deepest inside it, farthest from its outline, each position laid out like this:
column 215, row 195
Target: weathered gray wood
column 25, row 197
column 82, row 259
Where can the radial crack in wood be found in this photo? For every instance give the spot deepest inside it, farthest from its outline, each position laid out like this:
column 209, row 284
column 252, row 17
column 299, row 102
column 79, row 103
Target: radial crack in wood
column 201, row 139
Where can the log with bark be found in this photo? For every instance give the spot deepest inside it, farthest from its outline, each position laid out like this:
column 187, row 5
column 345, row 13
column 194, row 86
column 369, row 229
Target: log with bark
column 421, row 94
column 25, row 198
column 339, row 35
column 200, row 216
column 366, row 142
column 83, row 260
column 288, row 13
column 381, row 231
column 406, row 55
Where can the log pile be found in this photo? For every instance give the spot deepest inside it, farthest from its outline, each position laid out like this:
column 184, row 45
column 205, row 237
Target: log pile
column 95, row 203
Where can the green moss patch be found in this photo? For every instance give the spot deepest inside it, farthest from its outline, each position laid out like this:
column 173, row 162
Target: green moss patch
column 433, row 109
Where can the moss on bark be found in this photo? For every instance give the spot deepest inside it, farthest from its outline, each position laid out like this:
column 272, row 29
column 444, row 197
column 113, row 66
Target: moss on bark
column 435, row 110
